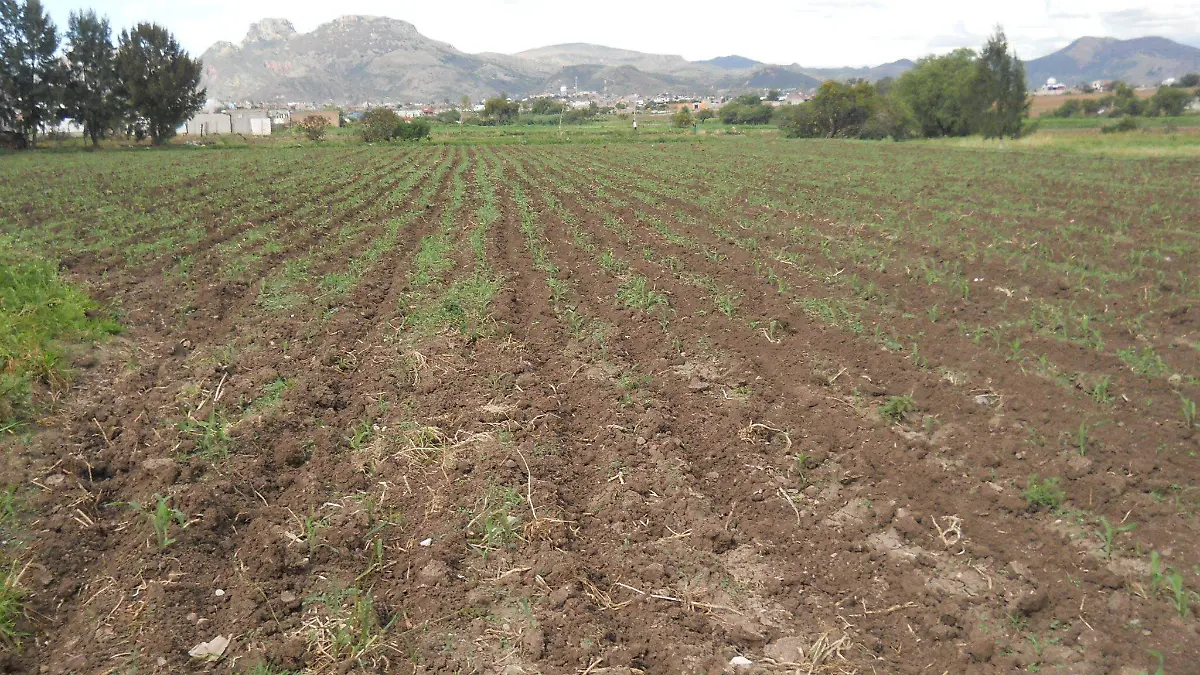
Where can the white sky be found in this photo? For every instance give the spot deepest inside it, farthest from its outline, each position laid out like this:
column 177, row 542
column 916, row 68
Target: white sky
column 818, row 33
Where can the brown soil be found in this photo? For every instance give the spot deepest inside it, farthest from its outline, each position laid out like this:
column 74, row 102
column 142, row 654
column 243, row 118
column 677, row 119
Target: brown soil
column 660, row 499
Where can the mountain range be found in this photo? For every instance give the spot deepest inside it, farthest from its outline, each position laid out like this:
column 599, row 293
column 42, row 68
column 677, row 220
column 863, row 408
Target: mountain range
column 357, row 59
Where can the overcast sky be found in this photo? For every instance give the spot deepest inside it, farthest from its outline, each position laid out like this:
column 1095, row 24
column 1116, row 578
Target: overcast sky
column 818, row 33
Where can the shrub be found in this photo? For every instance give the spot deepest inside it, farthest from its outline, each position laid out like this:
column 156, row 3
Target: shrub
column 682, row 118
column 313, row 127
column 382, row 125
column 1125, row 124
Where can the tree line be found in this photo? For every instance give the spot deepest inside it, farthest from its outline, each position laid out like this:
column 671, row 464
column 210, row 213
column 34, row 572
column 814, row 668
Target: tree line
column 144, row 85
column 1123, row 101
column 958, row 94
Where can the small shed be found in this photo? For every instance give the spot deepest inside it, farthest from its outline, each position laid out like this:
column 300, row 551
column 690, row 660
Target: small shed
column 246, row 122
column 209, row 124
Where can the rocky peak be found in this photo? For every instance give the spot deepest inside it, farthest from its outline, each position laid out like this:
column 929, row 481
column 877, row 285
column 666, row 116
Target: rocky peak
column 269, row 30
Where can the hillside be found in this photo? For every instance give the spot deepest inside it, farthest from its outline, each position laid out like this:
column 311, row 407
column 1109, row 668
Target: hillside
column 356, row 59
column 1146, row 60
column 352, row 59
column 732, row 62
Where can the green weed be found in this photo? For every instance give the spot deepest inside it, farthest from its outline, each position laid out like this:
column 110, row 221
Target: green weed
column 495, row 525
column 38, row 312
column 897, row 409
column 1044, row 493
column 12, row 607
column 211, row 436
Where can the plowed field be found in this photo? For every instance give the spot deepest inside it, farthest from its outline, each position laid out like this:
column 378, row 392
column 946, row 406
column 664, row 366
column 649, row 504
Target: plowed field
column 826, row 407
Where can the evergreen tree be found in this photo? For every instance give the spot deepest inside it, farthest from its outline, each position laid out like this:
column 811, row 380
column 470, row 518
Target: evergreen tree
column 1001, row 89
column 158, row 79
column 90, row 96
column 30, row 76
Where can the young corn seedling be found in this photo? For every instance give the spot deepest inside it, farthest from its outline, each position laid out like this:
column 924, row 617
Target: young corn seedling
column 1182, row 596
column 1188, row 407
column 312, row 531
column 1081, row 439
column 161, row 518
column 1108, row 532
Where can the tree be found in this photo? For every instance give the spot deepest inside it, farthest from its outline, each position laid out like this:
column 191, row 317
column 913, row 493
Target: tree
column 704, row 114
column 1124, row 101
column 746, row 109
column 1000, row 89
column 30, row 76
column 682, row 118
column 500, row 110
column 1168, row 102
column 313, row 127
column 546, row 106
column 159, row 79
column 774, row 95
column 1188, row 81
column 90, row 96
column 848, row 110
column 940, row 92
column 843, row 109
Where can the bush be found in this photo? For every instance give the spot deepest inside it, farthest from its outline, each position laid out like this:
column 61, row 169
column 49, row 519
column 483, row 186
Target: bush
column 382, row 125
column 1126, row 124
column 704, row 114
column 682, row 118
column 413, row 130
column 313, row 127
column 746, row 109
column 1168, row 102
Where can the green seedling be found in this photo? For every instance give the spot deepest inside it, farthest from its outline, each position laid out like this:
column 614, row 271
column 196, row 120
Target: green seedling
column 1108, row 532
column 360, row 435
column 1188, row 407
column 897, row 409
column 211, row 435
column 312, row 531
column 1156, row 574
column 1182, row 596
column 1081, row 439
column 636, row 293
column 1044, row 493
column 727, row 303
column 161, row 518
column 1100, row 391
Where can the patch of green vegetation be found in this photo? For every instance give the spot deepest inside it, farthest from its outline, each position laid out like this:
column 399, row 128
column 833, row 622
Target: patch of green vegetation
column 1044, row 493
column 38, row 313
column 636, row 293
column 495, row 525
column 897, row 409
column 211, row 436
column 12, row 607
column 1145, row 362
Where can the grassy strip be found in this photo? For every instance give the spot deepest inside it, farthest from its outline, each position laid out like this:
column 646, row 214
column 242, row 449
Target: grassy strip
column 38, row 311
